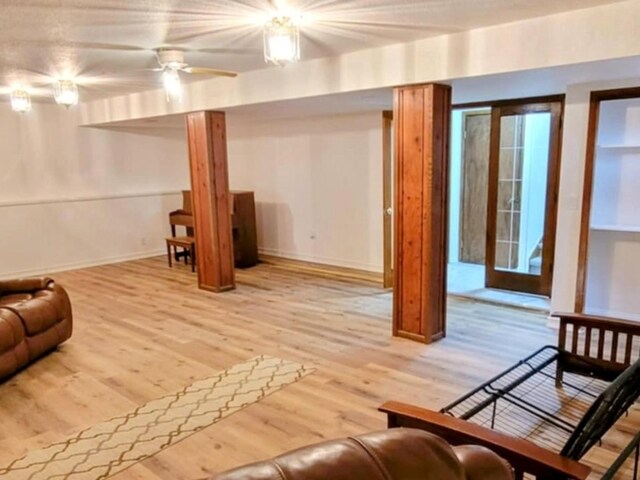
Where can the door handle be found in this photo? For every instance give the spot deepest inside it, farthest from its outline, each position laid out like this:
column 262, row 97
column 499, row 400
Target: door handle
column 389, row 211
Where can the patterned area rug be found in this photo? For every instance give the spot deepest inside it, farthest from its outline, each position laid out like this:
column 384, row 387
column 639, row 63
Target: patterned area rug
column 110, row 447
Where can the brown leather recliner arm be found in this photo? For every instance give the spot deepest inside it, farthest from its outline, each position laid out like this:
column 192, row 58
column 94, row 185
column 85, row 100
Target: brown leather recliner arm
column 392, row 454
column 524, row 456
column 24, row 285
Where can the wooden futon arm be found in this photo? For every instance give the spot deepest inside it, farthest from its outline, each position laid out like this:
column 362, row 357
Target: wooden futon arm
column 581, row 339
column 595, row 321
column 524, row 456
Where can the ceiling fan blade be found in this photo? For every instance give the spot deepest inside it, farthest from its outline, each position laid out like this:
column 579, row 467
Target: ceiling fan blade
column 232, row 51
column 71, row 44
column 107, row 46
column 209, row 71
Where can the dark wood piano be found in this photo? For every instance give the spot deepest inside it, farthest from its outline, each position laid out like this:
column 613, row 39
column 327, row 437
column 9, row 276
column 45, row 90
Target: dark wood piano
column 243, row 221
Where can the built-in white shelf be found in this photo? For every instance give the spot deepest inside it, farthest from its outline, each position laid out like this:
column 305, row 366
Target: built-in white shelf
column 619, row 147
column 616, row 228
column 613, row 263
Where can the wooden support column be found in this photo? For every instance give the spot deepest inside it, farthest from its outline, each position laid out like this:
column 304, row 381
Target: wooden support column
column 422, row 116
column 207, row 138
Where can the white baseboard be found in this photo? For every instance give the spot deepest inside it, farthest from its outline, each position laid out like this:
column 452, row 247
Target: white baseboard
column 83, row 264
column 154, row 253
column 322, row 260
column 553, row 322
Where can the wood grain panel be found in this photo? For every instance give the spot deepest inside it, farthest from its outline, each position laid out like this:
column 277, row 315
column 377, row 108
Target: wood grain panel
column 422, row 115
column 412, row 225
column 439, row 211
column 475, row 180
column 206, row 132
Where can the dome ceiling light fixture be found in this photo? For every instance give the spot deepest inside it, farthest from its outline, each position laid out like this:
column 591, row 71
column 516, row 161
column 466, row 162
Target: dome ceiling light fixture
column 281, row 40
column 20, row 100
column 65, row 92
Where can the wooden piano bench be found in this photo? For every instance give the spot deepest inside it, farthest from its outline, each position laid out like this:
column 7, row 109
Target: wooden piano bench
column 188, row 244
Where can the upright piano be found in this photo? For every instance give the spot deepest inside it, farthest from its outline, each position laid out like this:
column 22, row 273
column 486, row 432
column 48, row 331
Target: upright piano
column 243, row 222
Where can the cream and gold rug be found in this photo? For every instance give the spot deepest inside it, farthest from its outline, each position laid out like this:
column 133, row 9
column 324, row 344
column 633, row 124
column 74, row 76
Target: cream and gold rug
column 110, row 447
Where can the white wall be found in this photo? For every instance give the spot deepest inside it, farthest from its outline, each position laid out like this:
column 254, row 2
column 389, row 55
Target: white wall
column 318, row 186
column 72, row 196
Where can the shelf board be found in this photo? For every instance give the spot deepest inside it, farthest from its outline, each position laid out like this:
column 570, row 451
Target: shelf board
column 616, row 228
column 619, row 147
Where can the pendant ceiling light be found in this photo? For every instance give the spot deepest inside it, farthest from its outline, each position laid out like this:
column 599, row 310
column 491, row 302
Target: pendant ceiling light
column 281, row 40
column 20, row 101
column 66, row 93
column 172, row 84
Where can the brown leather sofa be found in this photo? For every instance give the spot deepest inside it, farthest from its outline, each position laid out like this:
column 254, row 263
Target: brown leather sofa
column 395, row 454
column 35, row 317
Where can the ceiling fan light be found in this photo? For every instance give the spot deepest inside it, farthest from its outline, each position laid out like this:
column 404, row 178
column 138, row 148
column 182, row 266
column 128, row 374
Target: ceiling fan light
column 281, row 40
column 175, row 65
column 66, row 93
column 20, row 101
column 172, row 84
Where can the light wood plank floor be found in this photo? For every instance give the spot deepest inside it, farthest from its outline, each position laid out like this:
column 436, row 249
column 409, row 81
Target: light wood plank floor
column 143, row 330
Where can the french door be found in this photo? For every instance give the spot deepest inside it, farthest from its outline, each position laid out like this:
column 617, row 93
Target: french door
column 524, row 165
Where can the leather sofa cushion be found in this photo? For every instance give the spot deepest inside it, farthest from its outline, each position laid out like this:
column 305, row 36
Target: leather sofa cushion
column 38, row 311
column 14, row 352
column 55, row 335
column 11, row 330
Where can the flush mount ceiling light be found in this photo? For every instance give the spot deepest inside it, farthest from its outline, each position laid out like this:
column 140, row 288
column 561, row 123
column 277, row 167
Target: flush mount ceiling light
column 281, row 40
column 66, row 93
column 172, row 84
column 20, row 101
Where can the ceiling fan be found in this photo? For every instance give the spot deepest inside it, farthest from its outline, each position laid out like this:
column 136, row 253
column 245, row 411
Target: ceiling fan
column 171, row 61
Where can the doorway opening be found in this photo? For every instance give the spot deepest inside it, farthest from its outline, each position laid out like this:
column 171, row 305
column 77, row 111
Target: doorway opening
column 503, row 195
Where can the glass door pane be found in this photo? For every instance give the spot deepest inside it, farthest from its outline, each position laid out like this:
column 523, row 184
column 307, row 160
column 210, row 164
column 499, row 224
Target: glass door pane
column 522, row 190
column 522, row 196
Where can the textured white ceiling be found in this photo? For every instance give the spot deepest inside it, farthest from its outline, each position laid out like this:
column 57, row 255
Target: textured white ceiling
column 108, row 44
